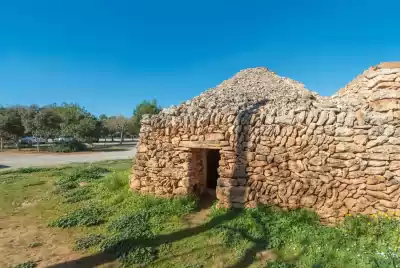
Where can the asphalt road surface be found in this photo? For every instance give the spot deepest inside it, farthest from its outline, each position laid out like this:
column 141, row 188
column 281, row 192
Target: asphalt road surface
column 19, row 160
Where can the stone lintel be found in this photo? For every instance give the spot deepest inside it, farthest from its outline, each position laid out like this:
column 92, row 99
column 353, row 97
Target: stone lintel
column 204, row 144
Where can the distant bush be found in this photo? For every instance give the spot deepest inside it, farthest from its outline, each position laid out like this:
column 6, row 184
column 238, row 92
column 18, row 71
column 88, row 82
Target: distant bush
column 68, row 147
column 88, row 241
column 88, row 216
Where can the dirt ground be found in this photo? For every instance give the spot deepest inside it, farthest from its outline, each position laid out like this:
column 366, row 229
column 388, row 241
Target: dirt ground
column 24, row 238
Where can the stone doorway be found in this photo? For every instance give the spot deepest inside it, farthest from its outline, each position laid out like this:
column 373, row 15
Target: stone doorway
column 204, row 171
column 212, row 164
column 211, row 175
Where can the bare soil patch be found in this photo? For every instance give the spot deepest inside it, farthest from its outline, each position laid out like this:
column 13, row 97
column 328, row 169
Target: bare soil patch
column 25, row 238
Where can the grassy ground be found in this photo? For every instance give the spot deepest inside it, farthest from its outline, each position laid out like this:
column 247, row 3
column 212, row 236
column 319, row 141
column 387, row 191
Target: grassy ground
column 85, row 216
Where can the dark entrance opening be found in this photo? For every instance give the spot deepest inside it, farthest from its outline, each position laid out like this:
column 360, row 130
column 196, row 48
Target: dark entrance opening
column 213, row 158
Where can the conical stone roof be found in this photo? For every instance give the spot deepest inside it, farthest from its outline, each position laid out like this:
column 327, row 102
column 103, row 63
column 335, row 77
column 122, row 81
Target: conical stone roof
column 248, row 87
column 278, row 95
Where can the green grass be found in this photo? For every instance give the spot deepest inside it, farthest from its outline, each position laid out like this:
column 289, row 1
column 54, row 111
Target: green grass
column 145, row 231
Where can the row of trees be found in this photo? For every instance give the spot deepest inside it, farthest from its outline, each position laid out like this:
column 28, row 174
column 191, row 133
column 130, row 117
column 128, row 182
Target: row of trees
column 68, row 120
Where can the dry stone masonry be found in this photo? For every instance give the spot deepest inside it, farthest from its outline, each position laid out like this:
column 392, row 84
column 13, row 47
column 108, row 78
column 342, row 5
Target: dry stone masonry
column 281, row 144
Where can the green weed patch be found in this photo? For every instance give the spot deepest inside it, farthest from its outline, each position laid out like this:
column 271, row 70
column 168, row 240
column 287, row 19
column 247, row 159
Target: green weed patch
column 88, row 241
column 126, row 232
column 77, row 195
column 29, row 264
column 87, row 216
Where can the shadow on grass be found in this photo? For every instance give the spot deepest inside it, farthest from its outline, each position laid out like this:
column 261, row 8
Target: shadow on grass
column 259, row 244
column 106, row 257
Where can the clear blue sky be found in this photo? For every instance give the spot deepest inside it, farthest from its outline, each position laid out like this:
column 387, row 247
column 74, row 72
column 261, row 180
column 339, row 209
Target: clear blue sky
column 110, row 55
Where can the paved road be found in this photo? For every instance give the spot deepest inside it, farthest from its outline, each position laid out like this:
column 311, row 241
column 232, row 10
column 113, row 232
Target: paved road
column 18, row 160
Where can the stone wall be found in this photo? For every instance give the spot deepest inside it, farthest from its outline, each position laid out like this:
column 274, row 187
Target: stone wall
column 336, row 155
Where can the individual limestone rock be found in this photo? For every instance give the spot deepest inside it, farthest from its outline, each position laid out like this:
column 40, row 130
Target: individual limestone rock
column 375, row 170
column 360, row 139
column 214, row 137
column 374, row 156
column 388, row 149
column 308, row 201
column 395, row 141
column 380, row 140
column 344, row 132
column 375, row 179
column 394, row 165
column 389, row 130
column 375, row 163
column 323, row 117
column 349, row 147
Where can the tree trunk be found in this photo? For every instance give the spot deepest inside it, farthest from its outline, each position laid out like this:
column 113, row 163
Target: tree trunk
column 1, row 144
column 37, row 145
column 112, row 138
column 122, row 137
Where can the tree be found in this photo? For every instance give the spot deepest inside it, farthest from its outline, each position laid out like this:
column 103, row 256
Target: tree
column 103, row 117
column 10, row 125
column 145, row 107
column 28, row 115
column 104, row 131
column 77, row 122
column 46, row 124
column 117, row 124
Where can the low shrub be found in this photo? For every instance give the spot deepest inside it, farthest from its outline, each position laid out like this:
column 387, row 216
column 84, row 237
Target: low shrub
column 92, row 172
column 26, row 170
column 193, row 266
column 35, row 244
column 87, row 216
column 69, row 147
column 126, row 231
column 282, row 264
column 77, row 195
column 29, row 264
column 88, row 241
column 71, row 181
column 116, row 181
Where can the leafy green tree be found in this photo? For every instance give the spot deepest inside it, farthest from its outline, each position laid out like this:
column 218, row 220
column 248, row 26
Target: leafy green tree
column 46, row 124
column 104, row 131
column 103, row 117
column 145, row 107
column 117, row 124
column 28, row 115
column 10, row 125
column 77, row 122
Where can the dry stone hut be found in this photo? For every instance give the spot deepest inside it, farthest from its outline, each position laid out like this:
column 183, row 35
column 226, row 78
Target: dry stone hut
column 261, row 138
